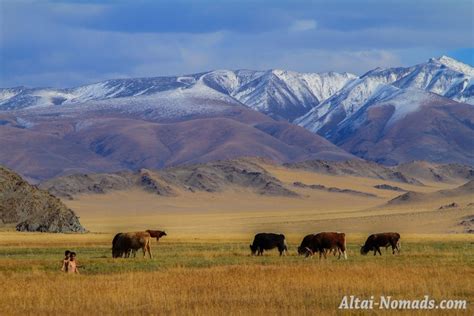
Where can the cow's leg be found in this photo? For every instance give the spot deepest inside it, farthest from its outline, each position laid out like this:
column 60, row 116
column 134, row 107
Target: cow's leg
column 148, row 248
column 323, row 252
column 378, row 249
column 375, row 251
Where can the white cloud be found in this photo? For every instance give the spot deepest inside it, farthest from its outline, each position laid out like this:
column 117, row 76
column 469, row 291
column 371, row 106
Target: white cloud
column 303, row 25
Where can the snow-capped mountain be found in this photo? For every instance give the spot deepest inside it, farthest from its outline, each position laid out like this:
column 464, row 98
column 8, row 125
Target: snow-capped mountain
column 400, row 114
column 388, row 115
column 146, row 123
column 311, row 99
column 280, row 94
column 443, row 76
column 401, row 125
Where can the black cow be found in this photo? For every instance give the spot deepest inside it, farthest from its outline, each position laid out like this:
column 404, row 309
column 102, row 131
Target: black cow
column 375, row 241
column 118, row 252
column 267, row 241
column 323, row 243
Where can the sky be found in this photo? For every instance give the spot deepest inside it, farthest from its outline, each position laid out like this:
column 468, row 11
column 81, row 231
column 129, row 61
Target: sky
column 70, row 43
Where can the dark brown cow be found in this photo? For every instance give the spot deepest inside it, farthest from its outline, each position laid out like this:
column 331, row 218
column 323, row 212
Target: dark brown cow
column 156, row 234
column 323, row 242
column 375, row 241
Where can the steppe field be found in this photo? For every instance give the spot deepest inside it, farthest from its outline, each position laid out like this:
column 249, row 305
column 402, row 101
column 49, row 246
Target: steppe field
column 204, row 267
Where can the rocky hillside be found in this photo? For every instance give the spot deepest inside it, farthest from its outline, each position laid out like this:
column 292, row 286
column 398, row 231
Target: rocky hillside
column 32, row 209
column 466, row 189
column 355, row 168
column 251, row 174
column 209, row 177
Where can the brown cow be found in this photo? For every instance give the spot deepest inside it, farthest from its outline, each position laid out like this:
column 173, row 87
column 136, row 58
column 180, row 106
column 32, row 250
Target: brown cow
column 323, row 243
column 156, row 234
column 126, row 243
column 153, row 234
column 375, row 241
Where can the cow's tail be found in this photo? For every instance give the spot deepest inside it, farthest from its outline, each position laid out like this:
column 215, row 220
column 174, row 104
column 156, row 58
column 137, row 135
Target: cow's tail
column 399, row 245
column 345, row 248
column 285, row 245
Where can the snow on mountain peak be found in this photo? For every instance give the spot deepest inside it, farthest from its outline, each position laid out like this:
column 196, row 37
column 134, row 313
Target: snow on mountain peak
column 454, row 64
column 279, row 93
column 405, row 88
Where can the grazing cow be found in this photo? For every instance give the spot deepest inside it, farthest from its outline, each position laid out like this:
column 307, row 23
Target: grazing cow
column 305, row 244
column 153, row 234
column 117, row 250
column 267, row 241
column 375, row 241
column 323, row 243
column 126, row 243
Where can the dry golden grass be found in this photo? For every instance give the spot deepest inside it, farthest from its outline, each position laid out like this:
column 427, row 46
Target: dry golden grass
column 203, row 266
column 217, row 276
column 243, row 290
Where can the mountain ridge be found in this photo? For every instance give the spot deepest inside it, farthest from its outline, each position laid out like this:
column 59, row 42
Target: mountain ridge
column 391, row 115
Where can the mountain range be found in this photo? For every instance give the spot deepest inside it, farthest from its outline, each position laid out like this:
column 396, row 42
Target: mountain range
column 390, row 116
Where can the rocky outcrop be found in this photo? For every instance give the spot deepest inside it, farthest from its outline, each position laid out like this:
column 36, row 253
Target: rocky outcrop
column 32, row 209
column 355, row 168
column 468, row 224
column 448, row 206
column 388, row 187
column 332, row 189
column 220, row 175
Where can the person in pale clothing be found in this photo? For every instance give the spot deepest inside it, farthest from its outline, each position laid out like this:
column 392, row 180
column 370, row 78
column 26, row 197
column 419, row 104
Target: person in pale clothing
column 72, row 264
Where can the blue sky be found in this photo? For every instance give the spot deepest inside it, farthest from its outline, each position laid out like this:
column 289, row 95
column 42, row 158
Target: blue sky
column 69, row 43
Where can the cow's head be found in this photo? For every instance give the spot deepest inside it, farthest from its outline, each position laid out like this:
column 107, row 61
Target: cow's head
column 364, row 250
column 253, row 249
column 308, row 252
column 301, row 251
column 116, row 253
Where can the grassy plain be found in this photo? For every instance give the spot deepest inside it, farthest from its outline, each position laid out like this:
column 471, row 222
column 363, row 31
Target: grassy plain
column 216, row 275
column 203, row 266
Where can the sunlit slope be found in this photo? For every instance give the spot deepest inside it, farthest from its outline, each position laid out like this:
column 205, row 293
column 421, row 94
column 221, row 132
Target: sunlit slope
column 241, row 211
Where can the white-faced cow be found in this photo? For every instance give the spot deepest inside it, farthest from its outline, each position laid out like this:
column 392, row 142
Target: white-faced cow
column 268, row 241
column 323, row 243
column 375, row 241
